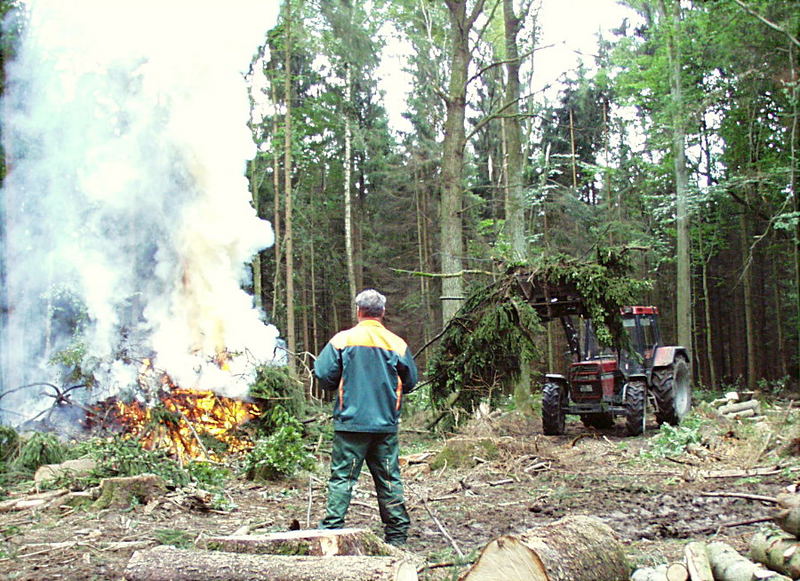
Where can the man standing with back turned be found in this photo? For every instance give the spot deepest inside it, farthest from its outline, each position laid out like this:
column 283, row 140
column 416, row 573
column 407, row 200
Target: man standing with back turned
column 372, row 368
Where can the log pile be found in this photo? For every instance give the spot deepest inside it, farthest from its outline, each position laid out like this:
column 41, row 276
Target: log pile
column 737, row 405
column 334, row 555
column 774, row 555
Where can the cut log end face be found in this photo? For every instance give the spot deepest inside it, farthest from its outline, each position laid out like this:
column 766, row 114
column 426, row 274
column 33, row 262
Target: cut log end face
column 574, row 548
column 507, row 559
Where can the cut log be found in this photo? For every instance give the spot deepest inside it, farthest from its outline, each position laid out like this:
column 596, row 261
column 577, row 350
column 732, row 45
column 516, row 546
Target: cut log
column 787, row 513
column 728, row 565
column 122, row 491
column 778, row 551
column 575, row 548
column 734, row 408
column 696, row 559
column 39, row 500
column 317, row 543
column 677, row 572
column 743, row 415
column 650, row 574
column 69, row 469
column 167, row 563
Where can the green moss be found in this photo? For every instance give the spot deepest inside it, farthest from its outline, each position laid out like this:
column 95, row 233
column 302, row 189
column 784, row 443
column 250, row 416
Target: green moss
column 461, row 453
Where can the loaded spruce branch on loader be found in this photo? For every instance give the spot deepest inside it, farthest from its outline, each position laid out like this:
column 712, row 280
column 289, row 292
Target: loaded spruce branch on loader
column 620, row 365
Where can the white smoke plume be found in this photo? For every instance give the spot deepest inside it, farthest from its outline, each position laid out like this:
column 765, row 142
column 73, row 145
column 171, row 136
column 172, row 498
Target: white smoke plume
column 126, row 206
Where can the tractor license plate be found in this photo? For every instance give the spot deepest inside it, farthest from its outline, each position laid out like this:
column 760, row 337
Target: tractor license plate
column 586, row 389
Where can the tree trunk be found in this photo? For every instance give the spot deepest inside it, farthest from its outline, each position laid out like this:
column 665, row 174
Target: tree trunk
column 255, row 186
column 166, row 563
column 452, row 243
column 749, row 316
column 348, row 194
column 577, row 548
column 514, row 198
column 778, row 551
column 728, row 565
column 291, row 337
column 276, row 209
column 315, row 543
column 709, row 335
column 683, row 308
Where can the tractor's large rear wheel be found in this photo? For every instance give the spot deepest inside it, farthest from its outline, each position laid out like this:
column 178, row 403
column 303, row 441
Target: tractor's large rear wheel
column 672, row 388
column 635, row 401
column 554, row 397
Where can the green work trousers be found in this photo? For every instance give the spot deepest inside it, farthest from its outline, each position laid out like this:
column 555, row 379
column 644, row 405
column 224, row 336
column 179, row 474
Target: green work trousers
column 350, row 449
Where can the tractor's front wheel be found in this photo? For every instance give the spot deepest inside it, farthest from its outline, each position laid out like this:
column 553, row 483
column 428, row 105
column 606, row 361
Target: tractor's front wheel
column 672, row 388
column 635, row 401
column 554, row 398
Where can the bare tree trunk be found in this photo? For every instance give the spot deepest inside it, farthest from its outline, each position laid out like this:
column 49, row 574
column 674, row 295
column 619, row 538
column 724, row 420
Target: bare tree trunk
column 348, row 195
column 287, row 184
column 749, row 321
column 452, row 244
column 276, row 208
column 672, row 19
column 512, row 129
column 255, row 186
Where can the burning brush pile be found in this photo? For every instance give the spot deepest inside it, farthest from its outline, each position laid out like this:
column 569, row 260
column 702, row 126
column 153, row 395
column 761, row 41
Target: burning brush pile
column 186, row 423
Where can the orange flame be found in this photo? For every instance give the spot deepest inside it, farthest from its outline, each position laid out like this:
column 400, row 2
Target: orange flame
column 188, row 423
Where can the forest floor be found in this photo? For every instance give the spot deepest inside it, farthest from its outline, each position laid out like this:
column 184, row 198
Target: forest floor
column 498, row 475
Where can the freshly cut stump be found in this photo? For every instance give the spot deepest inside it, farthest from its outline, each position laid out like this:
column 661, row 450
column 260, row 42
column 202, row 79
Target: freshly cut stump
column 778, row 551
column 166, row 563
column 729, row 565
column 314, row 542
column 574, row 548
column 121, row 491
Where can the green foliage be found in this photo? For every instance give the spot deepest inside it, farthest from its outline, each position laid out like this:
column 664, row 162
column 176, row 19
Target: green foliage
column 673, row 440
column 282, row 453
column 9, row 443
column 122, row 457
column 483, row 346
column 274, row 384
column 38, row 450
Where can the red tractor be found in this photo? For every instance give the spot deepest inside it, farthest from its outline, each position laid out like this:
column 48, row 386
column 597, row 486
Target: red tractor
column 601, row 382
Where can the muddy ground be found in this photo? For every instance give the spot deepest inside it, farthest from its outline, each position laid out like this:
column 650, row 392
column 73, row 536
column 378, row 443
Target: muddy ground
column 499, row 475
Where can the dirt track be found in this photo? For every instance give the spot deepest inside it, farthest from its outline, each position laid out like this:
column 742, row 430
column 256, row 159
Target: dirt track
column 511, row 478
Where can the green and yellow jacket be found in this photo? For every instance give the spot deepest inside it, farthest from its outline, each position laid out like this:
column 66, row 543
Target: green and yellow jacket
column 372, row 368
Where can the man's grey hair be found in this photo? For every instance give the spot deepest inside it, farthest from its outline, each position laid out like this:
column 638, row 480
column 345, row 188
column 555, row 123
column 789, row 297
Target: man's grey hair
column 371, row 303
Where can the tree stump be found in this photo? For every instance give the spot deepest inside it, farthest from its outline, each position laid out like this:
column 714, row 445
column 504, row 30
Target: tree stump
column 728, row 565
column 166, row 563
column 778, row 551
column 315, row 542
column 122, row 491
column 577, row 548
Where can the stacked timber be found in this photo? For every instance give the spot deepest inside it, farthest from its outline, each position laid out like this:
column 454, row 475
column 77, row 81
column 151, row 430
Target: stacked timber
column 774, row 555
column 737, row 405
column 334, row 555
